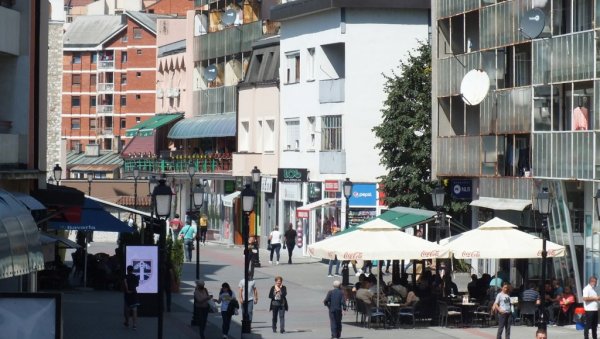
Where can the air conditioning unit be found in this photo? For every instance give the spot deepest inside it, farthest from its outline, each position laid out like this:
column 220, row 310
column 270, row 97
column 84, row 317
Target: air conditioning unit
column 159, row 93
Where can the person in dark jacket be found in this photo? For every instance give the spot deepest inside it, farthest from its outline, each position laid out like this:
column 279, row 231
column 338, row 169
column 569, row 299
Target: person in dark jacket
column 335, row 302
column 279, row 305
column 290, row 241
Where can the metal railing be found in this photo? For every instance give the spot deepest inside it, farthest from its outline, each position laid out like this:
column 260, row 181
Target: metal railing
column 231, row 40
column 331, row 90
column 105, row 109
column 203, row 163
column 105, row 87
column 106, row 64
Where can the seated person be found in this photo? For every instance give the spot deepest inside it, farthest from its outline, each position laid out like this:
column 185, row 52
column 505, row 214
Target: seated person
column 566, row 300
column 364, row 294
column 551, row 303
column 411, row 299
column 450, row 288
column 398, row 290
column 531, row 294
column 472, row 287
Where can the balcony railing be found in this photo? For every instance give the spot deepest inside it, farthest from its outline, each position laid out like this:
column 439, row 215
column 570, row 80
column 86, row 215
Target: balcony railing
column 106, row 87
column 105, row 109
column 211, row 163
column 107, row 131
column 106, row 64
column 331, row 90
column 231, row 40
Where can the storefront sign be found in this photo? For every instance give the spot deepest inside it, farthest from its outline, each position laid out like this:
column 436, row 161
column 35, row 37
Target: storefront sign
column 461, row 189
column 266, row 185
column 302, row 214
column 292, row 174
column 363, row 195
column 332, row 185
column 314, row 191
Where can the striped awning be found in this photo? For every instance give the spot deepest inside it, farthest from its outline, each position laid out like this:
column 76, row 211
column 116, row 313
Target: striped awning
column 206, row 126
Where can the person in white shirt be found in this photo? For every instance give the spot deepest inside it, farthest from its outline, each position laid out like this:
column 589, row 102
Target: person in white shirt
column 502, row 307
column 275, row 239
column 252, row 295
column 590, row 304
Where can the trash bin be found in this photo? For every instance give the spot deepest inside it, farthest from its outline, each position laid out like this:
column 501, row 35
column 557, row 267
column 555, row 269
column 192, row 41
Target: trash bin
column 579, row 318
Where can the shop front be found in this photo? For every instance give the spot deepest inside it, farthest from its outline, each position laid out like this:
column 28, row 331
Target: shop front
column 291, row 192
column 362, row 203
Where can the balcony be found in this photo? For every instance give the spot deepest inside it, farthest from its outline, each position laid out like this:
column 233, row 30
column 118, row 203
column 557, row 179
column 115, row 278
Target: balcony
column 107, row 132
column 331, row 91
column 106, row 65
column 9, row 25
column 218, row 100
column 231, row 40
column 332, row 162
column 105, row 88
column 204, row 163
column 105, row 109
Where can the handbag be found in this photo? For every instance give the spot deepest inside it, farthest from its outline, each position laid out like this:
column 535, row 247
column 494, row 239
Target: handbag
column 269, row 247
column 276, row 303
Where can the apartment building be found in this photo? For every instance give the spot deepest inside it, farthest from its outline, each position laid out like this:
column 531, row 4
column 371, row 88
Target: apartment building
column 536, row 127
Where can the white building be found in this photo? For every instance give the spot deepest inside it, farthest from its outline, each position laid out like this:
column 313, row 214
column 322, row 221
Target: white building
column 333, row 61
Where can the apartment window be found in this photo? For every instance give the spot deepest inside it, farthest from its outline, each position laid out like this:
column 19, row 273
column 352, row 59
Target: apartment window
column 137, row 33
column 123, row 100
column 75, row 101
column 123, row 123
column 92, row 79
column 92, row 123
column 76, row 58
column 94, row 58
column 76, row 79
column 123, row 57
column 139, row 52
column 138, row 74
column 138, row 97
column 293, row 135
column 293, row 68
column 259, row 136
column 310, row 65
column 137, row 120
column 92, row 101
column 124, row 38
column 244, row 138
column 76, row 145
column 75, row 123
column 331, row 133
column 123, row 79
column 311, row 133
column 269, row 136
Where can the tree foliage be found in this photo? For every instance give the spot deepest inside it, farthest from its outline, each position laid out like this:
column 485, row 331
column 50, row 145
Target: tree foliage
column 405, row 132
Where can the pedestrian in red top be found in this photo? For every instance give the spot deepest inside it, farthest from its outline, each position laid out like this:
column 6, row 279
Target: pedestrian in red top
column 176, row 225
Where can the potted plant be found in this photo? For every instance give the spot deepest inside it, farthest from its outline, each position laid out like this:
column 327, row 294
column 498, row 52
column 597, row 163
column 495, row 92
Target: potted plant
column 175, row 251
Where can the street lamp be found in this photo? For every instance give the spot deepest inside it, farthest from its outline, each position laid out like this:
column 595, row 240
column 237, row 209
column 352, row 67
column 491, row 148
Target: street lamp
column 90, row 178
column 347, row 187
column 161, row 201
column 437, row 197
column 136, row 175
column 544, row 202
column 198, row 195
column 255, row 173
column 248, row 197
column 597, row 198
column 57, row 171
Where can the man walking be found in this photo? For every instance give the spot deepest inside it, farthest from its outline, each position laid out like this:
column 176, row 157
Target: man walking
column 590, row 305
column 290, row 241
column 252, row 295
column 502, row 307
column 335, row 303
column 203, row 228
column 335, row 262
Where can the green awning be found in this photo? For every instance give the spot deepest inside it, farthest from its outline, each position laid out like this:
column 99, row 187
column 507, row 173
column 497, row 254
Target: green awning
column 146, row 128
column 402, row 217
column 206, row 126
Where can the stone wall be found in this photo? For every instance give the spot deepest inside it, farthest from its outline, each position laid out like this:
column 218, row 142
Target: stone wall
column 55, row 67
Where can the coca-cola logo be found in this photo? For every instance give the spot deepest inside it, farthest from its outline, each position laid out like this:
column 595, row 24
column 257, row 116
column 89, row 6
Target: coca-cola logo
column 352, row 256
column 549, row 253
column 430, row 254
column 471, row 254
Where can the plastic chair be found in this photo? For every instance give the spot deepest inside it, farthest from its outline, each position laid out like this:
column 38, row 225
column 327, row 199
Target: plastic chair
column 482, row 315
column 528, row 308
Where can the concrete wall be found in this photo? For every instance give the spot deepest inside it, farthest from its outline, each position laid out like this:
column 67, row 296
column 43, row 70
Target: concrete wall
column 55, row 57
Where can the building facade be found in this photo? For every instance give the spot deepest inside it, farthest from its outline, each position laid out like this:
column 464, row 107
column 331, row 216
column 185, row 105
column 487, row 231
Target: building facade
column 536, row 127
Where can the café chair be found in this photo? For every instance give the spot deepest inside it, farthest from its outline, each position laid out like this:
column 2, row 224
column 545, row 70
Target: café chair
column 445, row 312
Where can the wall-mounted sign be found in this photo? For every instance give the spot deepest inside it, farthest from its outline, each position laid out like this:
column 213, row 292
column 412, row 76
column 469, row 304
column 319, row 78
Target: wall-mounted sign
column 332, row 185
column 314, row 191
column 266, row 184
column 363, row 195
column 302, row 214
column 462, row 189
column 292, row 174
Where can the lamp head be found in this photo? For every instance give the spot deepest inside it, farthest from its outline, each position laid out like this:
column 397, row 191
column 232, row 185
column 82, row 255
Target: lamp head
column 90, row 177
column 437, row 197
column 248, row 196
column 255, row 174
column 347, row 186
column 57, row 172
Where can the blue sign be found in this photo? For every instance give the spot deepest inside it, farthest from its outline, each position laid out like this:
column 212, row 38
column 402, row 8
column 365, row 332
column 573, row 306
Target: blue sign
column 363, row 195
column 462, row 189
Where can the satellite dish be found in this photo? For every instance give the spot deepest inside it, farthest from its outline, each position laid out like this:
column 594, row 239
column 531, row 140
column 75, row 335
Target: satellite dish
column 210, row 73
column 532, row 23
column 474, row 87
column 229, row 17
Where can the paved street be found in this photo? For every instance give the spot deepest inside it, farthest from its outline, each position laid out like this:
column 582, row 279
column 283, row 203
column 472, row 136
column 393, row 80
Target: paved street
column 97, row 314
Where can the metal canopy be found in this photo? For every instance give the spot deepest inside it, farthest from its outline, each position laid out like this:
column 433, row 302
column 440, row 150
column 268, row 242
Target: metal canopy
column 207, row 126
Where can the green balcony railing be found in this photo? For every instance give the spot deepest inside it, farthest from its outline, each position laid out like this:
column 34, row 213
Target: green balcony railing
column 212, row 163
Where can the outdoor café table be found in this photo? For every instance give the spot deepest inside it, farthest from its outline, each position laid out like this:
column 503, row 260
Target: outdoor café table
column 391, row 313
column 467, row 310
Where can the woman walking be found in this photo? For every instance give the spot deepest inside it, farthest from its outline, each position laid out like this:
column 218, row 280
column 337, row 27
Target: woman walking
column 225, row 298
column 201, row 298
column 275, row 239
column 279, row 304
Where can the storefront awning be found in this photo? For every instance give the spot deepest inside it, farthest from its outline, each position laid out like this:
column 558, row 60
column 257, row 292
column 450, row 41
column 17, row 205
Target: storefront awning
column 48, row 238
column 140, row 144
column 228, row 199
column 206, row 126
column 501, row 204
column 146, row 128
column 30, row 202
column 20, row 250
column 93, row 218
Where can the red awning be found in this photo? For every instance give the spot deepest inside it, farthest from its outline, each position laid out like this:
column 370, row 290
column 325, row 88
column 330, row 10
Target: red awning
column 140, row 145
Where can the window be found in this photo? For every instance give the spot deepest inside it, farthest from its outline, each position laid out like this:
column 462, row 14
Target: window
column 139, row 52
column 244, row 138
column 75, row 123
column 124, row 38
column 310, row 71
column 293, row 135
column 293, row 68
column 94, row 58
column 137, row 33
column 92, row 79
column 76, row 79
column 311, row 133
column 92, row 123
column 123, row 79
column 331, row 133
column 269, row 136
column 76, row 58
column 76, row 145
column 92, row 101
column 123, row 123
column 138, row 97
column 75, row 101
column 137, row 120
column 138, row 74
column 123, row 57
column 123, row 100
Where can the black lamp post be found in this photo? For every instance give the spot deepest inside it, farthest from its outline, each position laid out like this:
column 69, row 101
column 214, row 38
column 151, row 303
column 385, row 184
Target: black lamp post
column 248, row 197
column 57, row 172
column 198, row 195
column 544, row 202
column 437, row 197
column 161, row 201
column 136, row 175
column 347, row 187
column 256, row 182
column 90, row 178
column 597, row 198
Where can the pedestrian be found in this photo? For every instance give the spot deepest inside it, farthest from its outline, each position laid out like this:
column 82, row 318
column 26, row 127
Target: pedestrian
column 188, row 232
column 203, row 228
column 201, row 298
column 335, row 262
column 502, row 307
column 175, row 225
column 275, row 240
column 335, row 302
column 541, row 334
column 252, row 294
column 130, row 284
column 590, row 305
column 290, row 241
column 279, row 305
column 225, row 298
